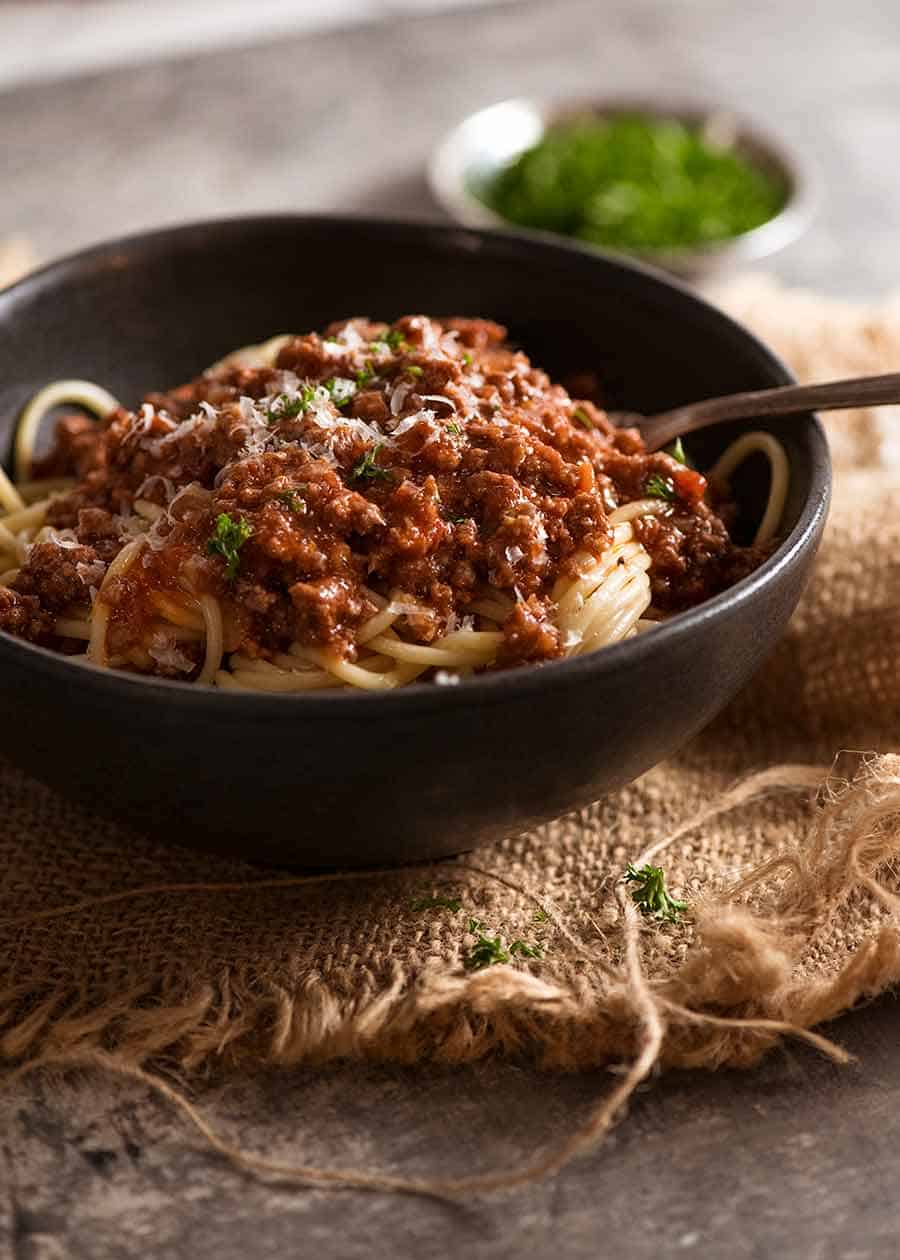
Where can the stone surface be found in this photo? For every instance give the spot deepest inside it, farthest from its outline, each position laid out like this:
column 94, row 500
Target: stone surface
column 797, row 1158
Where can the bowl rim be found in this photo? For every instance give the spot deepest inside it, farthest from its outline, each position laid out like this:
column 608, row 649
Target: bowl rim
column 484, row 689
column 446, row 174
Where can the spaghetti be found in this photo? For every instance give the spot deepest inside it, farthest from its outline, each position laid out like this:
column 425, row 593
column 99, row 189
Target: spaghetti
column 365, row 508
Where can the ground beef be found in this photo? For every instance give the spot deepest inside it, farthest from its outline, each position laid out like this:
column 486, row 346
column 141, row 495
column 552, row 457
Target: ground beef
column 328, row 608
column 23, row 615
column 59, row 575
column 529, row 634
column 74, row 451
column 692, row 557
column 426, row 461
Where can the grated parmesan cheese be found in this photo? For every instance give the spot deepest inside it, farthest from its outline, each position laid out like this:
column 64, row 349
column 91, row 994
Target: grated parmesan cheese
column 349, row 336
column 202, row 421
column 129, row 527
column 168, row 487
column 440, row 398
column 91, row 575
column 342, row 390
column 165, row 652
column 64, row 538
column 398, row 397
column 425, row 416
column 407, row 608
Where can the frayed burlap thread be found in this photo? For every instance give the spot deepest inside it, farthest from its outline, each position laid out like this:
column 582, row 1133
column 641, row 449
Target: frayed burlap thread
column 168, row 966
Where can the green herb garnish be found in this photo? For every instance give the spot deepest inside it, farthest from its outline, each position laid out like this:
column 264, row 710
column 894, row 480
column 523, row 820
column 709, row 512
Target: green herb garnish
column 676, row 450
column 340, row 390
column 284, row 408
column 393, row 339
column 582, row 418
column 227, row 541
column 488, row 951
column 413, row 369
column 467, row 359
column 363, row 377
column 437, row 903
column 368, row 470
column 635, row 182
column 293, row 501
column 649, row 893
column 657, row 487
column 453, row 428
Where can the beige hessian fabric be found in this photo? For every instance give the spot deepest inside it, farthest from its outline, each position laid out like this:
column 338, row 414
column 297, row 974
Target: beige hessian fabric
column 789, row 879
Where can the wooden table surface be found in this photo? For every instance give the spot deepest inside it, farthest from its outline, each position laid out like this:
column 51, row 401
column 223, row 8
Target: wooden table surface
column 796, row 1159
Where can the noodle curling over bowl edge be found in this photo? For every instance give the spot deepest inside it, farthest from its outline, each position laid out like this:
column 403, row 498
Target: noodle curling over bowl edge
column 359, row 779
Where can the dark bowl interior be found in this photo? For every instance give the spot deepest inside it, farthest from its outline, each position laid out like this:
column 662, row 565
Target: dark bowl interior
column 355, row 779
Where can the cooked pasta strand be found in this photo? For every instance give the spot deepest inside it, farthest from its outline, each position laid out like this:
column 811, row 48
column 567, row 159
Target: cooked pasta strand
column 212, row 617
column 73, row 628
column 31, row 517
column 30, row 491
column 100, row 619
column 60, row 393
column 10, row 498
column 742, row 449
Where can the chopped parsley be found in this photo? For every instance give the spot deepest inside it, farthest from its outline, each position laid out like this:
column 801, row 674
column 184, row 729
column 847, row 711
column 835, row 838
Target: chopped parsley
column 453, row 428
column 227, row 541
column 488, row 951
column 393, row 339
column 582, row 418
column 650, row 895
column 340, row 390
column 363, row 377
column 413, row 369
column 293, row 500
column 635, row 182
column 657, row 487
column 437, row 903
column 676, row 450
column 467, row 359
column 284, row 408
column 368, row 470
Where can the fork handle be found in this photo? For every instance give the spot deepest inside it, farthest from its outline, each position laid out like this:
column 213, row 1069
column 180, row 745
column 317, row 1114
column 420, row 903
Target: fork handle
column 786, row 400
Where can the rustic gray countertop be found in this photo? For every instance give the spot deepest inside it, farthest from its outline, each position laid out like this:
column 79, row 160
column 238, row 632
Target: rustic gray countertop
column 798, row 1158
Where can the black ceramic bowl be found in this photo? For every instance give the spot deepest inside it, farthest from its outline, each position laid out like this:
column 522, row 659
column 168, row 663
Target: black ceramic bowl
column 349, row 778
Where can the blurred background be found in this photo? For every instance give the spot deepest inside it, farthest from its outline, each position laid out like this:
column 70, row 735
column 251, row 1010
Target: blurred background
column 117, row 115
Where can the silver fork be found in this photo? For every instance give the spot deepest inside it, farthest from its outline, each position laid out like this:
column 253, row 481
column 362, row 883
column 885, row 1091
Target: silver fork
column 862, row 391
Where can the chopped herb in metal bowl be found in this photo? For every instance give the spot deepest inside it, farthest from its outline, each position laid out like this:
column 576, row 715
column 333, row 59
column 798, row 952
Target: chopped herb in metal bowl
column 635, row 183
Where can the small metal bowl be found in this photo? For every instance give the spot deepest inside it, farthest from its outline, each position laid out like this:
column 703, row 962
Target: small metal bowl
column 486, row 141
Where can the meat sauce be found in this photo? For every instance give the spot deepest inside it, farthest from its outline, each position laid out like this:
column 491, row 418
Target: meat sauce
column 425, row 457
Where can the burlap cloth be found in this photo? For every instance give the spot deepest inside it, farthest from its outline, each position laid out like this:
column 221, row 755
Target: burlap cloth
column 158, row 962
